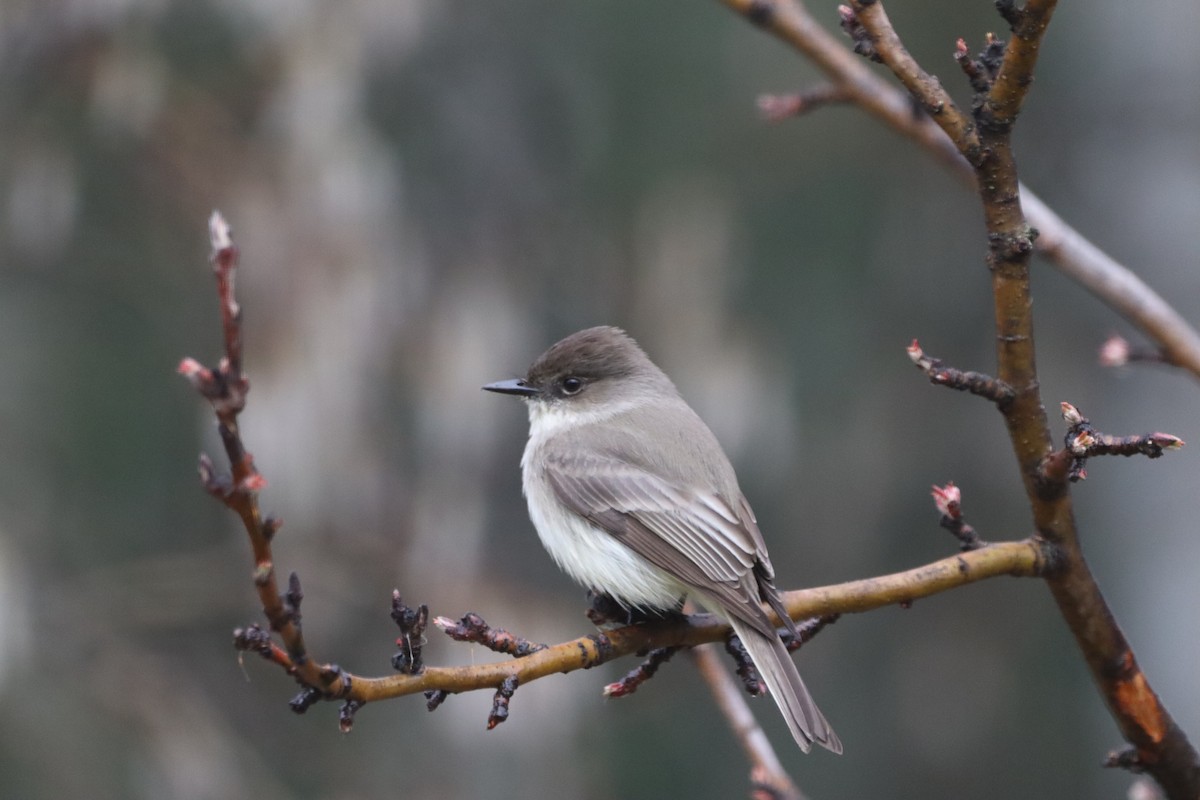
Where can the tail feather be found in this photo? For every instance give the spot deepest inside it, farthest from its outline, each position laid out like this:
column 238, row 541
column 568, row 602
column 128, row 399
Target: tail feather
column 779, row 672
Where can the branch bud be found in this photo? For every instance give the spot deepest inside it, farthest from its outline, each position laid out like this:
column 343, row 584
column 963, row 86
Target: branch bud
column 1081, row 443
column 219, row 232
column 1114, row 352
column 1071, row 414
column 948, row 500
column 1166, row 441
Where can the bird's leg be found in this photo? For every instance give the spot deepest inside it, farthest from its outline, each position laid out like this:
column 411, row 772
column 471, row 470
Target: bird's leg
column 604, row 609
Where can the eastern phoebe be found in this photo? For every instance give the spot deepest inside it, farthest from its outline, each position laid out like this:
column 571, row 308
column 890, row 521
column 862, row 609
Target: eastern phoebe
column 634, row 498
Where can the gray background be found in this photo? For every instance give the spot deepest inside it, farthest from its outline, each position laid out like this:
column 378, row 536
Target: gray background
column 427, row 195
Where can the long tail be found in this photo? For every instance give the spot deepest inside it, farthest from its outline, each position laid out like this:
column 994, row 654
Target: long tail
column 775, row 665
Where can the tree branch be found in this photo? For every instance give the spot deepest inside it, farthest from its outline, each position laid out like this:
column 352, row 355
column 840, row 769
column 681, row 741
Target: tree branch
column 1068, row 250
column 1025, row 558
column 1161, row 747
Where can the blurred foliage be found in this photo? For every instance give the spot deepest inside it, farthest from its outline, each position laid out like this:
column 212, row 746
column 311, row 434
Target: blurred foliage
column 427, row 194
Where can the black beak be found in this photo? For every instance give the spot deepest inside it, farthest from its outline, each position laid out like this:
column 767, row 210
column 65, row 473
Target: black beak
column 516, row 386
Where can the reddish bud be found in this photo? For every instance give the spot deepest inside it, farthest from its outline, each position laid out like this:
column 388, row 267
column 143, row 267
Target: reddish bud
column 190, row 366
column 1166, row 441
column 219, row 232
column 1071, row 414
column 198, row 375
column 948, row 500
column 1082, row 442
column 776, row 107
column 915, row 353
column 254, row 482
column 1114, row 352
column 960, row 48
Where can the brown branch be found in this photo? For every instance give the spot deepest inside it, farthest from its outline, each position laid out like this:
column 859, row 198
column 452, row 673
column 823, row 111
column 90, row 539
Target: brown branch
column 1022, row 559
column 976, row 383
column 641, row 673
column 226, row 388
column 1066, row 248
column 472, row 628
column 1162, row 747
column 1083, row 441
column 924, row 88
column 1019, row 559
column 1003, row 103
column 767, row 775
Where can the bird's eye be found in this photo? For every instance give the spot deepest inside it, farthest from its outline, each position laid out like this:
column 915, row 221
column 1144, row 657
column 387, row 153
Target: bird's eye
column 572, row 385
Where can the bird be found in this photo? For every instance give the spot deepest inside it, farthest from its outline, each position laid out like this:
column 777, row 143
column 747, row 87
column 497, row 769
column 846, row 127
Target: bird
column 633, row 497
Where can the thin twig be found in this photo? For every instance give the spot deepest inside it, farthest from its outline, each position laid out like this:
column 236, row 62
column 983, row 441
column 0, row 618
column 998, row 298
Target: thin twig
column 948, row 500
column 976, row 383
column 777, row 107
column 767, row 774
column 1083, row 441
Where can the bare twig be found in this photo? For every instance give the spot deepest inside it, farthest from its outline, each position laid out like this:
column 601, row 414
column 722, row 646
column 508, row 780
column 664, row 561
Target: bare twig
column 948, row 500
column 508, row 688
column 777, row 107
column 926, row 89
column 472, row 628
column 976, row 383
column 1083, row 441
column 226, row 388
column 641, row 673
column 1117, row 352
column 767, row 774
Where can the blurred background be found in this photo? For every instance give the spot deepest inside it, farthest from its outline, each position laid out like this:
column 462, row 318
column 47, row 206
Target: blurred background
column 426, row 196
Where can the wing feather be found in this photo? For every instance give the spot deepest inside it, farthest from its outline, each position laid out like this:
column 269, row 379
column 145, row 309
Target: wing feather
column 695, row 536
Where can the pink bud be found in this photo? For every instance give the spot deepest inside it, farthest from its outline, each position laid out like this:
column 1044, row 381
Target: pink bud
column 1082, row 442
column 1166, row 441
column 915, row 353
column 777, row 107
column 255, row 482
column 1071, row 414
column 948, row 500
column 1114, row 352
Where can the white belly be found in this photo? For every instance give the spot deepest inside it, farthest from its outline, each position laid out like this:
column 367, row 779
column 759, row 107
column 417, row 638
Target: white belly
column 588, row 554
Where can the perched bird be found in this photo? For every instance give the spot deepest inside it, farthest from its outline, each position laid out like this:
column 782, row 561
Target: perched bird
column 633, row 497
